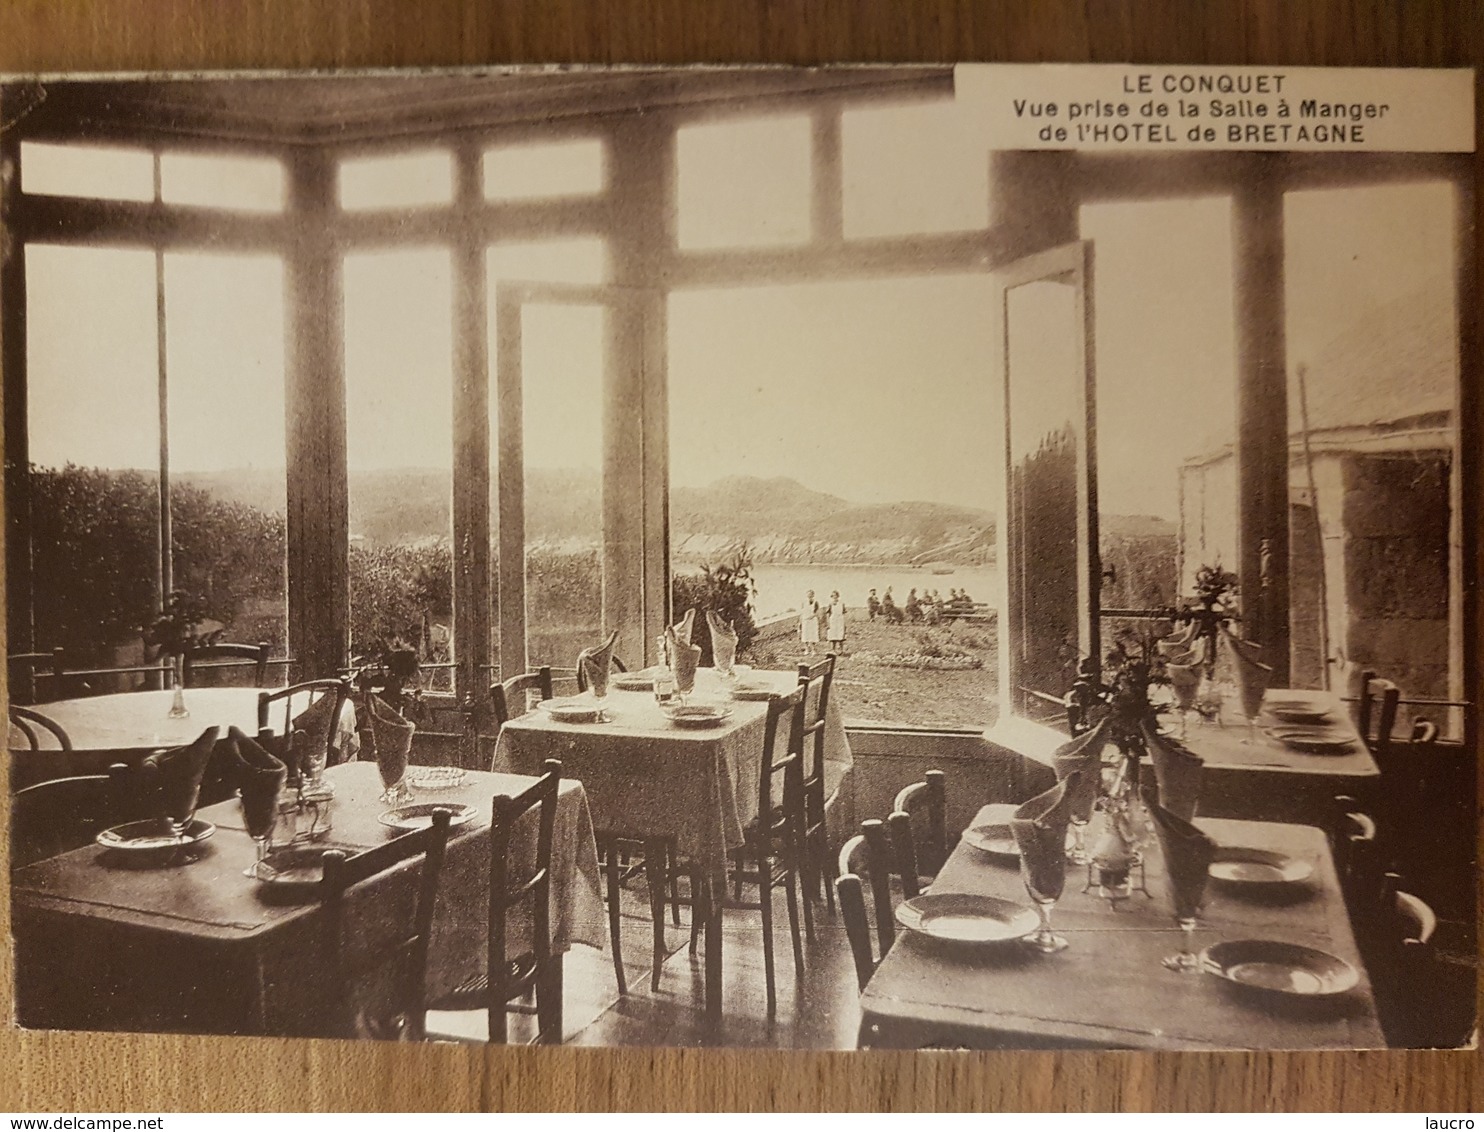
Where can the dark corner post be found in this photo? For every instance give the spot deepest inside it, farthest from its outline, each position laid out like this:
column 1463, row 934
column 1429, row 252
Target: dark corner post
column 19, row 628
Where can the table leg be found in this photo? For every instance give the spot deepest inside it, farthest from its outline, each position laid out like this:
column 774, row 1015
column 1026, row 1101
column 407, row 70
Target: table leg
column 714, row 891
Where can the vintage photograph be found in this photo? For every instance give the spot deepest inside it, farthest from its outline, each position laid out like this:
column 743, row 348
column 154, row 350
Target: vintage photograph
column 733, row 557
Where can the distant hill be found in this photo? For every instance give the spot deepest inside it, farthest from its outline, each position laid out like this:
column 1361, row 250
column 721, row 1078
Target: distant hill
column 780, row 518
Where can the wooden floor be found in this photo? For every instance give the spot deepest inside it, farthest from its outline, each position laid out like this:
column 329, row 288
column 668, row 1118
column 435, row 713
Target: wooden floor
column 819, row 1011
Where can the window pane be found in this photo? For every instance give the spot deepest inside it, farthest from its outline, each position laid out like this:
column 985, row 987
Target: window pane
column 554, row 169
column 915, row 168
column 94, row 434
column 806, row 450
column 214, row 180
column 583, row 260
column 104, row 172
column 562, row 352
column 745, row 183
column 408, row 180
column 399, row 441
column 224, row 349
column 1167, row 488
column 1372, row 333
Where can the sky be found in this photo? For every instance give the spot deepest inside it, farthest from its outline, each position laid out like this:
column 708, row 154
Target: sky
column 875, row 391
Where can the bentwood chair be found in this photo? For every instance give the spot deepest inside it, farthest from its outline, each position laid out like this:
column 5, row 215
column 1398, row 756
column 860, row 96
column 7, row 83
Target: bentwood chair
column 1376, row 710
column 63, row 814
column 919, row 836
column 819, row 862
column 536, row 969
column 39, row 730
column 774, row 841
column 1356, row 849
column 229, row 659
column 1422, row 1003
column 866, row 854
column 408, row 950
column 26, row 667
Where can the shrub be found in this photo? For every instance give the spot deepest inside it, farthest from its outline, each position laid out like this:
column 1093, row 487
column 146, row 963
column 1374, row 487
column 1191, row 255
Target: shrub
column 727, row 589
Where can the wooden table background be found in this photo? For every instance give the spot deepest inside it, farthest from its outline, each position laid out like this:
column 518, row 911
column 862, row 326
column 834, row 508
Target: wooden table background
column 76, row 1072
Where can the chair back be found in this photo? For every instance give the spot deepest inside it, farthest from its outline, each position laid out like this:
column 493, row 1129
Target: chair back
column 515, row 691
column 225, row 657
column 919, row 830
column 615, row 664
column 295, row 702
column 780, row 777
column 408, row 950
column 25, row 667
column 1376, row 713
column 818, row 678
column 63, row 814
column 868, row 855
column 509, row 979
column 1356, row 847
column 1409, row 984
column 34, row 726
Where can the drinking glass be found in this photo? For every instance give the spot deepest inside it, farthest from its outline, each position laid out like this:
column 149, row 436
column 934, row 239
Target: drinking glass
column 260, row 815
column 724, row 652
column 1188, row 854
column 597, row 674
column 687, row 657
column 1184, row 681
column 1043, row 867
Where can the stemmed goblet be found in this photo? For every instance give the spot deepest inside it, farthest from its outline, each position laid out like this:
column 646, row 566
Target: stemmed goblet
column 597, row 674
column 1040, row 829
column 1188, row 854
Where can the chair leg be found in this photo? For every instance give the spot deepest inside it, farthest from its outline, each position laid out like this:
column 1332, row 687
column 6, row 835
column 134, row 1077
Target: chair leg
column 672, row 867
column 791, row 881
column 696, row 917
column 765, row 900
column 654, row 869
column 497, row 1021
column 611, row 861
column 549, row 1003
column 797, row 862
column 831, row 867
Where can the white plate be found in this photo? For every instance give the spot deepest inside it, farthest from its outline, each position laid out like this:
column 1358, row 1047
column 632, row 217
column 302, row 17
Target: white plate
column 698, row 715
column 571, row 711
column 959, row 917
column 996, row 839
column 752, row 690
column 436, row 777
column 1312, row 741
column 1288, row 970
column 1258, row 868
column 419, row 815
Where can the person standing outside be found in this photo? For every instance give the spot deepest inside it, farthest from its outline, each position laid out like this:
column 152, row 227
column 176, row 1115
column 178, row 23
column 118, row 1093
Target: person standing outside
column 873, row 606
column 836, row 627
column 809, row 624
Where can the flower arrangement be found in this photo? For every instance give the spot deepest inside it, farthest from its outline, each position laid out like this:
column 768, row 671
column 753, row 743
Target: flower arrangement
column 1215, row 586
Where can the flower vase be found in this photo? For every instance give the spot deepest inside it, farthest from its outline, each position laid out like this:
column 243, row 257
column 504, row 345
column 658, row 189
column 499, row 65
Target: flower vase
column 178, row 708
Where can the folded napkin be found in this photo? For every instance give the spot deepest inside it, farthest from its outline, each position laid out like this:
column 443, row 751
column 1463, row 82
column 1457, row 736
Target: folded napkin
column 391, row 740
column 1040, row 829
column 1180, row 640
column 260, row 779
column 685, row 626
column 175, row 776
column 1177, row 773
column 318, row 723
column 600, row 655
column 723, row 641
column 1083, row 754
column 684, row 660
column 1252, row 673
column 1188, row 854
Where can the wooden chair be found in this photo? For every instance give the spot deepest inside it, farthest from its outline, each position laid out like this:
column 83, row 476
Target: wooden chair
column 62, row 814
column 775, row 839
column 869, row 854
column 229, row 657
column 919, row 834
column 516, row 691
column 538, row 970
column 1419, row 1009
column 819, row 863
column 409, row 950
column 309, row 694
column 1355, row 845
column 1376, row 711
column 33, row 725
column 615, row 664
column 25, row 667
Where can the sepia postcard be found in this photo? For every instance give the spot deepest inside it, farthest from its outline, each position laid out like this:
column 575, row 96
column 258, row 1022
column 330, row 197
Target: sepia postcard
column 892, row 557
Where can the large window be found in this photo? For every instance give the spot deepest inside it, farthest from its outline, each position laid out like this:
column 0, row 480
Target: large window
column 98, row 393
column 399, row 452
column 838, row 438
column 1372, row 333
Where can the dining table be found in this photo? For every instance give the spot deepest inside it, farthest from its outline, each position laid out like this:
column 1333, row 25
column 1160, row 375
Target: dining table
column 649, row 778
column 127, row 726
column 1109, row 988
column 195, row 946
column 1279, row 770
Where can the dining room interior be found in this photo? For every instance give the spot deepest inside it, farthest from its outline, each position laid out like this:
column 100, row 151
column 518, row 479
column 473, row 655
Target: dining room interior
column 476, row 547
